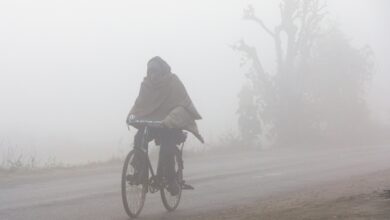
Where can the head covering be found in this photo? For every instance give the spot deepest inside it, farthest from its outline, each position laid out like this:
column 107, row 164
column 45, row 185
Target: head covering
column 158, row 65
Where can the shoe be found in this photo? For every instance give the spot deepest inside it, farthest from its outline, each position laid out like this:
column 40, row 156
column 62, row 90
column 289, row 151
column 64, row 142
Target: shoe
column 187, row 187
column 173, row 188
column 131, row 179
column 135, row 179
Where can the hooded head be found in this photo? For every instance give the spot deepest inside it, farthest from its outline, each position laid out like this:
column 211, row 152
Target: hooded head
column 157, row 68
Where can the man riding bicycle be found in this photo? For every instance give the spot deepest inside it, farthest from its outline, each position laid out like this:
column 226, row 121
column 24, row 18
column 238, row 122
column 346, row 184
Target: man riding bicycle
column 162, row 97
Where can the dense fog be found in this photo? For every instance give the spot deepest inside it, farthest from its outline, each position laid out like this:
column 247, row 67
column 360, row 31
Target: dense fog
column 71, row 70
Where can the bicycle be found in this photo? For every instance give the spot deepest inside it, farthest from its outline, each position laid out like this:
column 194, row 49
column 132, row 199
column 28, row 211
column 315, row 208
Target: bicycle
column 134, row 194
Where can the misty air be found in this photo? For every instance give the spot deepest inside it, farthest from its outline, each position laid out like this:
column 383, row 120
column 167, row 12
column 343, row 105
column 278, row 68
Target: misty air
column 236, row 110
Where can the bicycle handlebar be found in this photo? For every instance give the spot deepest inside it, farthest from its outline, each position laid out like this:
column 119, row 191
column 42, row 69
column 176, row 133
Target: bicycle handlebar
column 154, row 124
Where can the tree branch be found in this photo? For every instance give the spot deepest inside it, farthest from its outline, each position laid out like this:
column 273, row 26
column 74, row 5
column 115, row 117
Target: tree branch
column 249, row 14
column 250, row 53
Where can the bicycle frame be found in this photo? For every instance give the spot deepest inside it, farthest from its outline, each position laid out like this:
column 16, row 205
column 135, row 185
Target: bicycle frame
column 144, row 148
column 153, row 183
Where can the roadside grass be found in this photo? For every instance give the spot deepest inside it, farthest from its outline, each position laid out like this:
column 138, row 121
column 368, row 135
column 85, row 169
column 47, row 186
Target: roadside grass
column 18, row 163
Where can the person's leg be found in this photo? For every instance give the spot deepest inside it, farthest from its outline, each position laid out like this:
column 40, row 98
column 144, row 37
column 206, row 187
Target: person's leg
column 167, row 152
column 167, row 157
column 139, row 159
column 160, row 164
column 136, row 162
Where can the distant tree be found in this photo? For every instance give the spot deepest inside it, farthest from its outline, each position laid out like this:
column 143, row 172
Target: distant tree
column 249, row 121
column 317, row 90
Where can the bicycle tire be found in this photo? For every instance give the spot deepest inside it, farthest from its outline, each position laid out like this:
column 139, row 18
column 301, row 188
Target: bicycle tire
column 132, row 212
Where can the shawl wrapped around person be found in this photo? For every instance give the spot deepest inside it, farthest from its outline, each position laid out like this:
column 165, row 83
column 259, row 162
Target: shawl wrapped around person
column 166, row 100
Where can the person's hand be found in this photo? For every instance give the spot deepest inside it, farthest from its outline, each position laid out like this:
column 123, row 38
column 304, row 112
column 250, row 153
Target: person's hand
column 129, row 119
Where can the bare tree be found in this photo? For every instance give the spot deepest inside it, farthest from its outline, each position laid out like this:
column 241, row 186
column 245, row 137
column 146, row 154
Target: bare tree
column 286, row 100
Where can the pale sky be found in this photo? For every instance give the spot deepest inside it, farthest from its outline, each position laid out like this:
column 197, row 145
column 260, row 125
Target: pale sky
column 70, row 70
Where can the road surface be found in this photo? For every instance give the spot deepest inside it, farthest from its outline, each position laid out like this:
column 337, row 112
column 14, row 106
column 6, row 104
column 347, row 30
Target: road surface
column 221, row 180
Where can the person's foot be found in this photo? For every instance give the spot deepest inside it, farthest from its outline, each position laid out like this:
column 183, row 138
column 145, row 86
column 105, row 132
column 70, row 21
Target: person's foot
column 131, row 179
column 173, row 188
column 186, row 186
column 136, row 178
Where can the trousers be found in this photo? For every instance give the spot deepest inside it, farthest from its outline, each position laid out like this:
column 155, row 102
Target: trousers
column 167, row 139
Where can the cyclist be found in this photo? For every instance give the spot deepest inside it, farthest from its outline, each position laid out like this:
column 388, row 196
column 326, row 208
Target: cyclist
column 163, row 97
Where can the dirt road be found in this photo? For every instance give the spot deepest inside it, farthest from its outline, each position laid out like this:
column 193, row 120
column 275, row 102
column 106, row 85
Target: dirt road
column 226, row 184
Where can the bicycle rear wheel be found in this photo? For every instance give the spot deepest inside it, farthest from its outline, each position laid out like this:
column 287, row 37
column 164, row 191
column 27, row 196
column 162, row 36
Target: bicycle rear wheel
column 171, row 202
column 133, row 195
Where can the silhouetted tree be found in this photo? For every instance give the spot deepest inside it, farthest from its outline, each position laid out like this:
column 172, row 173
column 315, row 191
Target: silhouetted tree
column 248, row 122
column 317, row 90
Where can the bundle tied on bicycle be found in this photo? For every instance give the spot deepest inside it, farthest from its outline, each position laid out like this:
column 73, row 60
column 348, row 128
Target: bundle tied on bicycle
column 168, row 101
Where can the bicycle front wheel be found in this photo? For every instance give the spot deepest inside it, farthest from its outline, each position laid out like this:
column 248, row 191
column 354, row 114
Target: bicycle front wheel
column 133, row 194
